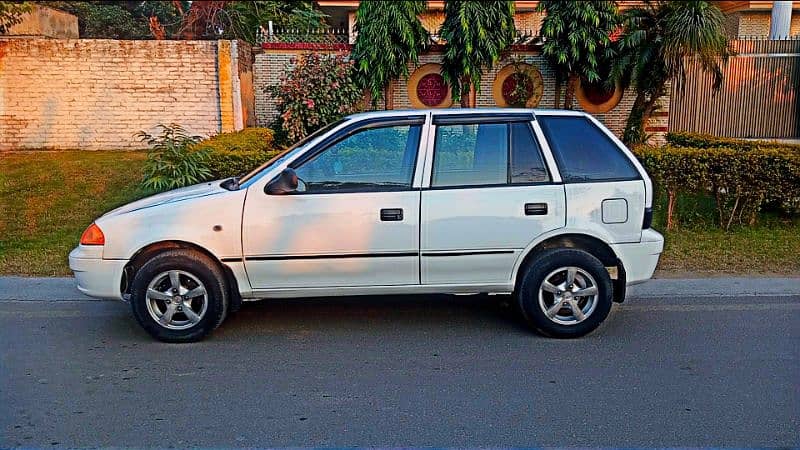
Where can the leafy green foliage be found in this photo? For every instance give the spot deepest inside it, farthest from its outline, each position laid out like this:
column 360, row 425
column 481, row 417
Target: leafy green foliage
column 577, row 40
column 658, row 39
column 11, row 13
column 318, row 90
column 234, row 154
column 741, row 182
column 119, row 20
column 390, row 36
column 477, row 33
column 171, row 161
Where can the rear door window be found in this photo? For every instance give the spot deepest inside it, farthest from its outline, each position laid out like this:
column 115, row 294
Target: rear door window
column 584, row 153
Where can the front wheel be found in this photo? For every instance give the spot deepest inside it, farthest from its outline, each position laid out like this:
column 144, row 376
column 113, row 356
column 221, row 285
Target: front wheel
column 565, row 293
column 179, row 296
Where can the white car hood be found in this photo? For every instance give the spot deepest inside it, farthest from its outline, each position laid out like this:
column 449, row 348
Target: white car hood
column 197, row 190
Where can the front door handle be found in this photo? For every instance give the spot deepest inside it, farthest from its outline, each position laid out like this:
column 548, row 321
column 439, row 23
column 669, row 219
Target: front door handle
column 535, row 209
column 391, row 214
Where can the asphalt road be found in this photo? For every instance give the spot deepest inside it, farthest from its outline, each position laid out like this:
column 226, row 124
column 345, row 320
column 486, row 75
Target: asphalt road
column 404, row 371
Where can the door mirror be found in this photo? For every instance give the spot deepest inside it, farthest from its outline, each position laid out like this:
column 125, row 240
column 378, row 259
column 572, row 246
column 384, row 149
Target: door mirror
column 284, row 183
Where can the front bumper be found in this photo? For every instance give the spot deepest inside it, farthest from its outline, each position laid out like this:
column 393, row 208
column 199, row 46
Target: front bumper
column 95, row 276
column 640, row 259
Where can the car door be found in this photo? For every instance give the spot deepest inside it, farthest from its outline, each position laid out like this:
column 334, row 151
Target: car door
column 354, row 219
column 489, row 193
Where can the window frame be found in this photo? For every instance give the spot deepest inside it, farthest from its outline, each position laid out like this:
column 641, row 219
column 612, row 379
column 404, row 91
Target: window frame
column 507, row 119
column 357, row 127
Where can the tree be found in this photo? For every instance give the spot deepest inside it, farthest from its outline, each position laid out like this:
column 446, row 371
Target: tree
column 476, row 33
column 576, row 41
column 11, row 14
column 390, row 35
column 658, row 40
column 226, row 19
column 119, row 20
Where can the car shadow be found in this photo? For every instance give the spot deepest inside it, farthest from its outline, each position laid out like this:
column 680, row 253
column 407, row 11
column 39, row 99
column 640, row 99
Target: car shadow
column 494, row 313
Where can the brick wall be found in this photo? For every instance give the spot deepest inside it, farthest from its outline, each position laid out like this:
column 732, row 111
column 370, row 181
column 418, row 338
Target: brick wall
column 96, row 94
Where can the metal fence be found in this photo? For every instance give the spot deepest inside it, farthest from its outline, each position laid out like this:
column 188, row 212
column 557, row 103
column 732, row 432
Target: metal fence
column 758, row 97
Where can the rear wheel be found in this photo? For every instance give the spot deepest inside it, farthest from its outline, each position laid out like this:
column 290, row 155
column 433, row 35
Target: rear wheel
column 179, row 296
column 565, row 293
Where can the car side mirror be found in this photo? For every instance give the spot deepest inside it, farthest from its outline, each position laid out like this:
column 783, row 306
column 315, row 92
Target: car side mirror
column 284, row 183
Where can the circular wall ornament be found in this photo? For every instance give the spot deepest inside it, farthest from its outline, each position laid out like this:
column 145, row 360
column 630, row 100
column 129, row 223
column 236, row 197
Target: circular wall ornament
column 513, row 85
column 427, row 89
column 596, row 98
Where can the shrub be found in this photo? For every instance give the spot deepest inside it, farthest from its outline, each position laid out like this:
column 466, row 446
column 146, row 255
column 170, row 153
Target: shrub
column 171, row 162
column 234, row 154
column 740, row 181
column 697, row 140
column 318, row 90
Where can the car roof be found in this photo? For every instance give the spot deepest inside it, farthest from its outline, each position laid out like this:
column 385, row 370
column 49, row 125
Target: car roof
column 465, row 111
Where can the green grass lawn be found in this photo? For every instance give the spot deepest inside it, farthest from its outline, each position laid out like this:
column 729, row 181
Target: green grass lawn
column 48, row 198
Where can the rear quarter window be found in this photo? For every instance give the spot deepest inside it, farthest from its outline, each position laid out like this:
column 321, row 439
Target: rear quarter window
column 583, row 152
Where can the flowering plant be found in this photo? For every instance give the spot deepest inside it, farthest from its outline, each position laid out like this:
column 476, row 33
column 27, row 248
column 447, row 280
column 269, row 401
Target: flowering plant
column 319, row 89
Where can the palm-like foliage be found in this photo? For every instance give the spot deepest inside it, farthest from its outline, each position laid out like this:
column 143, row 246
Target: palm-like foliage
column 658, row 39
column 390, row 35
column 476, row 32
column 577, row 41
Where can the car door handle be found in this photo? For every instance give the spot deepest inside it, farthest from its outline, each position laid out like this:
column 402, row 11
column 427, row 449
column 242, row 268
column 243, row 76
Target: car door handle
column 391, row 214
column 535, row 209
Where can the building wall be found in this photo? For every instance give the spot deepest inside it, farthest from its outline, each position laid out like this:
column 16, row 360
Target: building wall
column 46, row 22
column 97, row 94
column 756, row 23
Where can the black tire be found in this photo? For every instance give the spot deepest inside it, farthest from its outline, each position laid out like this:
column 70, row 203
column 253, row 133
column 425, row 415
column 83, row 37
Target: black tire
column 534, row 275
column 198, row 265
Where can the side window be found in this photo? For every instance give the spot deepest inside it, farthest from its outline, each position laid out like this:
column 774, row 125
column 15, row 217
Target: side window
column 527, row 165
column 470, row 154
column 584, row 152
column 370, row 159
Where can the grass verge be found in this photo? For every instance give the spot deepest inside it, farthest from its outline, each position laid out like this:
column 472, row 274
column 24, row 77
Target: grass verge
column 48, row 198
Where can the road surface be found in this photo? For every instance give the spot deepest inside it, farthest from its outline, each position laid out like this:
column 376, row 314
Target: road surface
column 685, row 370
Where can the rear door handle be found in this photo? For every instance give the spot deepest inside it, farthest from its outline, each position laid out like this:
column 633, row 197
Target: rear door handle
column 535, row 209
column 391, row 214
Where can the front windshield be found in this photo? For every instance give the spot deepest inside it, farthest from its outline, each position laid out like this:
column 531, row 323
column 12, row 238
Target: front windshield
column 280, row 157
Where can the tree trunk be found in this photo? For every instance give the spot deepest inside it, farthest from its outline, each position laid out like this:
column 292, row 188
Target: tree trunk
column 672, row 196
column 650, row 105
column 634, row 129
column 557, row 104
column 388, row 96
column 570, row 94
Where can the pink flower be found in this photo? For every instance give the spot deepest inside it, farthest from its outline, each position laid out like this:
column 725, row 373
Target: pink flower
column 310, row 103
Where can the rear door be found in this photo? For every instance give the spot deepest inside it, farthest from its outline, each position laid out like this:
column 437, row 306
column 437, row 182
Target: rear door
column 489, row 193
column 604, row 188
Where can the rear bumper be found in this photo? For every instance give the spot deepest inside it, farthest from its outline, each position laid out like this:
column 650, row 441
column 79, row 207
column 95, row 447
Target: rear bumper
column 640, row 259
column 95, row 276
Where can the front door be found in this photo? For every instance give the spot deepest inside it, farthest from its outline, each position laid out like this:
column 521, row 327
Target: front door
column 490, row 195
column 354, row 220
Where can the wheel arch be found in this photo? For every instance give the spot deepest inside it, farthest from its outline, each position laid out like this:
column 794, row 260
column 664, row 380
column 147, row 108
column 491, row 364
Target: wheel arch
column 593, row 245
column 144, row 254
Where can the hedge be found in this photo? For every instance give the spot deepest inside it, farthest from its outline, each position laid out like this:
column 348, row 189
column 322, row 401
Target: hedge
column 234, row 154
column 741, row 182
column 697, row 140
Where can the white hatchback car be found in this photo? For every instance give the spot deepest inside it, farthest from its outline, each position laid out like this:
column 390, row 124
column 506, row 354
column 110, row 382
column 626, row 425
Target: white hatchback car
column 547, row 205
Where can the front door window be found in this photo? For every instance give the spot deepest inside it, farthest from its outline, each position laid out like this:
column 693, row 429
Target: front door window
column 373, row 159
